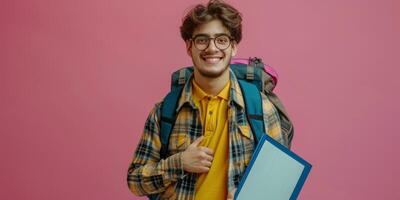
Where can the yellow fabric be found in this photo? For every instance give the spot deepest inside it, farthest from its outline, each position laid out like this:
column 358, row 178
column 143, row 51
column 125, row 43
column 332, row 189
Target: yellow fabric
column 214, row 113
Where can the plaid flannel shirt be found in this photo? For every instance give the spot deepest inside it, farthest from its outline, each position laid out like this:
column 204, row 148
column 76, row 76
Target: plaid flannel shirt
column 148, row 174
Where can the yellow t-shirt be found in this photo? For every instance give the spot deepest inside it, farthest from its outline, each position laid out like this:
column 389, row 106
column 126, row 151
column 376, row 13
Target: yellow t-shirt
column 214, row 114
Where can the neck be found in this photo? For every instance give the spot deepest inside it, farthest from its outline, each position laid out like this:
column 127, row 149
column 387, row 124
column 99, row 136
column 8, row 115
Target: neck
column 212, row 86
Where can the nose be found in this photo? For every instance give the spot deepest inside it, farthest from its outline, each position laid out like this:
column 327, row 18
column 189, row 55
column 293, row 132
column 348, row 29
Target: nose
column 211, row 45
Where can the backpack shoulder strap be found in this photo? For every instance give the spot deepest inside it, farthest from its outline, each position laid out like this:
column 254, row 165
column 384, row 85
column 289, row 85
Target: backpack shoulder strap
column 168, row 116
column 169, row 105
column 254, row 111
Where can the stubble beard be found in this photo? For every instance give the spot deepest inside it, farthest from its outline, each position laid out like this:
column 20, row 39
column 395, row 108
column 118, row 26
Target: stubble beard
column 209, row 74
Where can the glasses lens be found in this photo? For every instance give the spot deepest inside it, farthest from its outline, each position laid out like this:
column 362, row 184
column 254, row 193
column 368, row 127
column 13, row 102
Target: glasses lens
column 222, row 42
column 201, row 42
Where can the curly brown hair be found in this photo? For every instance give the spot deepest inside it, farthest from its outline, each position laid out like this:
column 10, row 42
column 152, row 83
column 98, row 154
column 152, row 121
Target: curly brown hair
column 215, row 9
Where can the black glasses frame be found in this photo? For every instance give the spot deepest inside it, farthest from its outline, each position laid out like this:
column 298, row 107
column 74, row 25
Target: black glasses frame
column 209, row 40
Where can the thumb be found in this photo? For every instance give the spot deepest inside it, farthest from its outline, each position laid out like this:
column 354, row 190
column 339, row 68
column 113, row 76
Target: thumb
column 197, row 142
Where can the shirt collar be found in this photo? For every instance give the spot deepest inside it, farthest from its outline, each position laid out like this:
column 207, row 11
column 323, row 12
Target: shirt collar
column 199, row 94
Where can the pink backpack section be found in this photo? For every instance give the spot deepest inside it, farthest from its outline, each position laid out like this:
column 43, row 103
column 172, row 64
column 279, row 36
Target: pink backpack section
column 271, row 71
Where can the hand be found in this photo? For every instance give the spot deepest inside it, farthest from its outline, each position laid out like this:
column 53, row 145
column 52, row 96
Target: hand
column 231, row 194
column 197, row 159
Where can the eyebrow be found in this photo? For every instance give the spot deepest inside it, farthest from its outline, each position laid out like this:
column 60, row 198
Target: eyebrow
column 207, row 35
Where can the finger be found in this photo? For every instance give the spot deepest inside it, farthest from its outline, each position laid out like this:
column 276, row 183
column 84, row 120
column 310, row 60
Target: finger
column 207, row 150
column 206, row 163
column 231, row 194
column 203, row 169
column 207, row 157
column 197, row 141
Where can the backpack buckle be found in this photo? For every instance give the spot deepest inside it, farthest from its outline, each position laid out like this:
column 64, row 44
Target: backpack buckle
column 250, row 72
column 182, row 79
column 255, row 61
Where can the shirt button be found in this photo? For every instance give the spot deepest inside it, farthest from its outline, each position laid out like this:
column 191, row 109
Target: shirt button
column 210, row 112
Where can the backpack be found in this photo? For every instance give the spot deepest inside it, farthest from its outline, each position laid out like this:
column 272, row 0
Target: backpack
column 253, row 76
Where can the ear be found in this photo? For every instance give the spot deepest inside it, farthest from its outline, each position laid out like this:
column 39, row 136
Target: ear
column 188, row 47
column 234, row 48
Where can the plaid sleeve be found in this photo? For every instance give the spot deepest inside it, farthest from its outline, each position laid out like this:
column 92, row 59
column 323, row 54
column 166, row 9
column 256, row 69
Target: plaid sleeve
column 148, row 174
column 272, row 121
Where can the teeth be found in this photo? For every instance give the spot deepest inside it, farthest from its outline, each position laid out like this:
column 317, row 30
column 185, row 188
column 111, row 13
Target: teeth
column 212, row 59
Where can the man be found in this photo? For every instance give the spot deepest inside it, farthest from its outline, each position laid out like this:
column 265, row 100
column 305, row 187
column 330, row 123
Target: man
column 211, row 142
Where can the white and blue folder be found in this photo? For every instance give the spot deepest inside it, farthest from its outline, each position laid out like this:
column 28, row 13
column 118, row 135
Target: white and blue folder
column 274, row 173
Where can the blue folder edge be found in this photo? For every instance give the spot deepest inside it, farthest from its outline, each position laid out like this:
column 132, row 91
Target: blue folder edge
column 304, row 174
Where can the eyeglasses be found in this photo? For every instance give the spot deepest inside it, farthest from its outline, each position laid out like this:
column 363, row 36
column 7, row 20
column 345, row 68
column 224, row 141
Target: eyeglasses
column 222, row 42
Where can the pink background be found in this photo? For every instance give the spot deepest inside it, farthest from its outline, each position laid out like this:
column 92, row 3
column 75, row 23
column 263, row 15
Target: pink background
column 78, row 79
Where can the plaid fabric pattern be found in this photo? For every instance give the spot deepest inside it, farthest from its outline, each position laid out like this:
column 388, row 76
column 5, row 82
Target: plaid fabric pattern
column 166, row 178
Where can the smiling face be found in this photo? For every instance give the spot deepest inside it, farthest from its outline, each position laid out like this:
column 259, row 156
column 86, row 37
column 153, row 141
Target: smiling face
column 211, row 62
